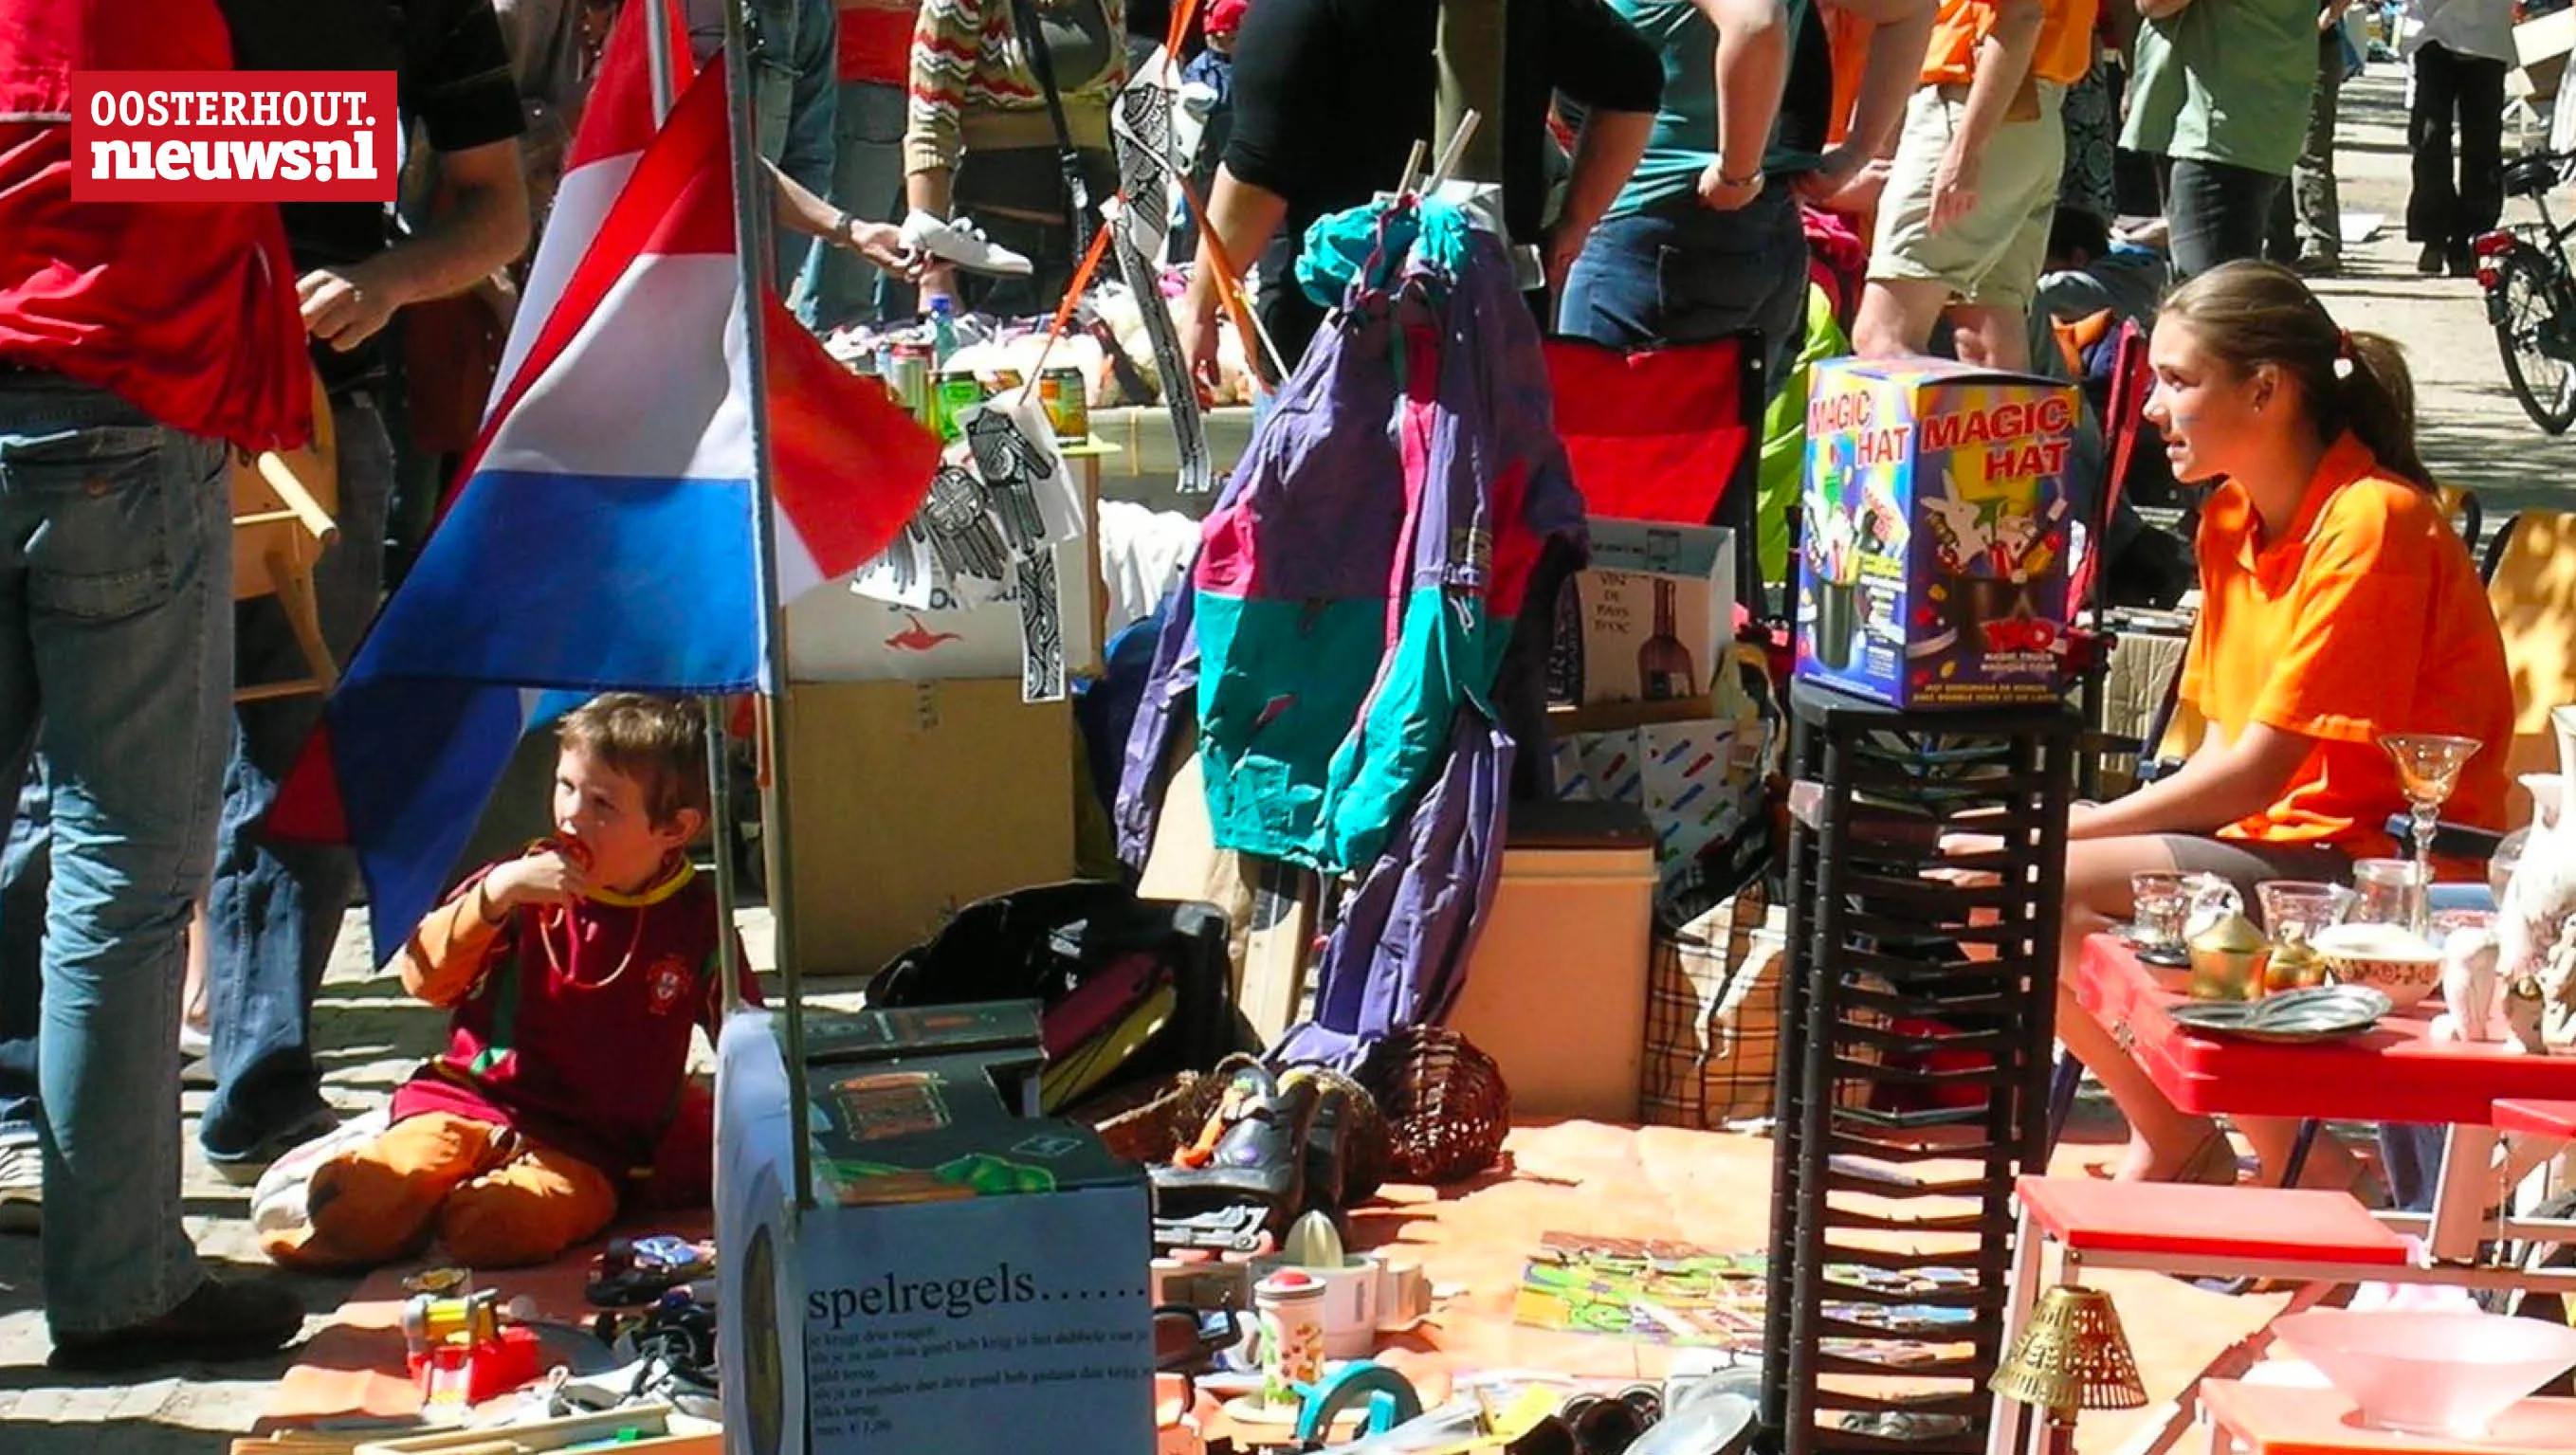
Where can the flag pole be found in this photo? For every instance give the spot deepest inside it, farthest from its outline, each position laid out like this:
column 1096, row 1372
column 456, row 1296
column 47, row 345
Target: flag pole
column 720, row 822
column 751, row 198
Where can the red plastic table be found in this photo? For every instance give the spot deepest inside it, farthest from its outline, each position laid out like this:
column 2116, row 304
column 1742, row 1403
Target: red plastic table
column 2395, row 1073
column 2271, row 1419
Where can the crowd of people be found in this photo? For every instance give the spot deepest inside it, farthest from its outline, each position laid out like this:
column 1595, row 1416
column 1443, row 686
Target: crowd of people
column 1678, row 169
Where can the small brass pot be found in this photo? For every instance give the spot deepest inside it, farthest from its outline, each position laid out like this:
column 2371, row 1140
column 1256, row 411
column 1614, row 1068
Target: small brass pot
column 2228, row 960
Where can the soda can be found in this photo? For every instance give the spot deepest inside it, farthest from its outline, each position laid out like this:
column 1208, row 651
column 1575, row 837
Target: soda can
column 959, row 391
column 1068, row 406
column 908, row 375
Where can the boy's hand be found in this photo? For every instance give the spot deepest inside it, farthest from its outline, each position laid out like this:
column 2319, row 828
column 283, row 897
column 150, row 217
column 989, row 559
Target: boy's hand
column 1954, row 188
column 545, row 877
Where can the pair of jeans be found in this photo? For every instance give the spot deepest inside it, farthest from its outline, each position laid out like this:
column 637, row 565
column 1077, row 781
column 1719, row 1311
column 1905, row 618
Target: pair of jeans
column 115, row 657
column 2307, row 215
column 2469, row 91
column 275, row 909
column 2215, row 212
column 837, row 286
column 26, row 862
column 794, row 48
column 1680, row 273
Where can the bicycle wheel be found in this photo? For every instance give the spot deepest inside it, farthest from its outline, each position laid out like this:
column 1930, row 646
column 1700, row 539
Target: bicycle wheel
column 2527, row 328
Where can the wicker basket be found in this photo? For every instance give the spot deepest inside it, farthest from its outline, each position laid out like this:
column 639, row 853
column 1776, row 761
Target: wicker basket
column 1444, row 1101
column 1143, row 1123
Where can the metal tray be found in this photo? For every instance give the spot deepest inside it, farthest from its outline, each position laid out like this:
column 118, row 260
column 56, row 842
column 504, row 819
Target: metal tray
column 2322, row 1013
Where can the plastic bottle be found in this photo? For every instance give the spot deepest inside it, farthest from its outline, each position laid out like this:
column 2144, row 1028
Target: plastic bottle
column 943, row 331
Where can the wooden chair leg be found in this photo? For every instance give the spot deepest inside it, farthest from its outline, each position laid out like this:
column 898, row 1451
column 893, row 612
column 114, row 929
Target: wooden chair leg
column 304, row 618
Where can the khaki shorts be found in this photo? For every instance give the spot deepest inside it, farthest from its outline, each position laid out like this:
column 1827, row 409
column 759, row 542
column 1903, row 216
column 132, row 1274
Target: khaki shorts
column 1992, row 256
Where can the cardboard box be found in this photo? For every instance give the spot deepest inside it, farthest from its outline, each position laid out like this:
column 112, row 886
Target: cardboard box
column 836, row 635
column 969, row 1281
column 1693, row 777
column 1933, row 568
column 914, row 799
column 1652, row 614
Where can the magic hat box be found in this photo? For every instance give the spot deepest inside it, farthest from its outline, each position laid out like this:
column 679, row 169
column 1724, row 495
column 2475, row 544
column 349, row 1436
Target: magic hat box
column 1932, row 571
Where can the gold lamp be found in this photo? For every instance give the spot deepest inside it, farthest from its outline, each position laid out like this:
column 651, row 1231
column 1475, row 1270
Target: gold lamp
column 2072, row 1357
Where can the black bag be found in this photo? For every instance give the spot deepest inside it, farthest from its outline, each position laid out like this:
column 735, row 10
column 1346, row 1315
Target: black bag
column 1080, row 206
column 1041, row 943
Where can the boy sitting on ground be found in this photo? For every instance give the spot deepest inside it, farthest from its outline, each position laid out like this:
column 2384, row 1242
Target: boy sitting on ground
column 576, row 974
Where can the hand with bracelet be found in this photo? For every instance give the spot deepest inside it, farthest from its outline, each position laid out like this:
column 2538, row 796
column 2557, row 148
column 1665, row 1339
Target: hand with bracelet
column 1721, row 192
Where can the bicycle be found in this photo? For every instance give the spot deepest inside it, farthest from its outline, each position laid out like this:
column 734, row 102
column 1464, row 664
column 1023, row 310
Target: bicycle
column 2530, row 288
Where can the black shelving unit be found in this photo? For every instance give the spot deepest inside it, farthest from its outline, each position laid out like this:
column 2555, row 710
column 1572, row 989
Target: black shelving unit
column 1917, row 1019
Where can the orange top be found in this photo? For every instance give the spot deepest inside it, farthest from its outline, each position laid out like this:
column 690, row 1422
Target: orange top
column 2365, row 617
column 1847, row 48
column 2067, row 45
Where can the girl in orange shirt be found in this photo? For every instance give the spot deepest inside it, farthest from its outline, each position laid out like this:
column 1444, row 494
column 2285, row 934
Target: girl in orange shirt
column 2337, row 605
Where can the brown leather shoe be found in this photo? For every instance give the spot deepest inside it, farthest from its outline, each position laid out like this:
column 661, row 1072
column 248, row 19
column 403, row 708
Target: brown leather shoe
column 218, row 1323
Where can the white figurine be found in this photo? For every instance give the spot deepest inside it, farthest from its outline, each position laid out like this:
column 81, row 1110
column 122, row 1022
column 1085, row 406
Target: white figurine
column 2471, row 988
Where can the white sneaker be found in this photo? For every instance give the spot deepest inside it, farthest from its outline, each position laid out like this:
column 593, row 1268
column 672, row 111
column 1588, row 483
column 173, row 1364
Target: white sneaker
column 22, row 1188
column 959, row 241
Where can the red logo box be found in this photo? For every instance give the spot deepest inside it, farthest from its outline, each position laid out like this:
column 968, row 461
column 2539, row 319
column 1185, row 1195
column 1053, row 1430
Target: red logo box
column 242, row 136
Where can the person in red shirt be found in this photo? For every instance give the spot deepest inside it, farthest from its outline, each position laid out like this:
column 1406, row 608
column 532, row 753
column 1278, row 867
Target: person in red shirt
column 576, row 974
column 137, row 341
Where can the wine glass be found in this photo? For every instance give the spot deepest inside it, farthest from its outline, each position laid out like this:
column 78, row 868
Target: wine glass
column 2428, row 770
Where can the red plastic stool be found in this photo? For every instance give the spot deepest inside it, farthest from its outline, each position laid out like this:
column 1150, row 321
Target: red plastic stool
column 2186, row 1229
column 2555, row 1119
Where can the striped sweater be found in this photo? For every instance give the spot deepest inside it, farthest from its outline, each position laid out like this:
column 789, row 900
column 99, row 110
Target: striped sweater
column 972, row 86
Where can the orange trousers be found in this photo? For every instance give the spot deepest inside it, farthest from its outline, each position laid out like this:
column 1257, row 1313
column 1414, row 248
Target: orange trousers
column 496, row 1199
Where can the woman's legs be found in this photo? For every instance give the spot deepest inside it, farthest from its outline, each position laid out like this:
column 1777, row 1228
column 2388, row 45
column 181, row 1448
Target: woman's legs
column 2164, row 1140
column 2162, row 1137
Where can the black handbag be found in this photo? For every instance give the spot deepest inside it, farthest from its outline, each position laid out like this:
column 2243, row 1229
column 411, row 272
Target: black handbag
column 1080, row 205
column 1042, row 944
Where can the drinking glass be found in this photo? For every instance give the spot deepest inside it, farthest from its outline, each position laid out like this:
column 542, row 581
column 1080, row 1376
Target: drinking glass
column 2428, row 769
column 2293, row 911
column 2160, row 903
column 2388, row 892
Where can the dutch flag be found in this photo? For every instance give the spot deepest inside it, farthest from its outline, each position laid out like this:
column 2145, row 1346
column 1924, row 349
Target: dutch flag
column 601, row 533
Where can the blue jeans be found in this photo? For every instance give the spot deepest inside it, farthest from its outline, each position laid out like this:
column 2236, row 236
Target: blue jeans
column 115, row 655
column 837, row 286
column 25, row 869
column 1681, row 273
column 795, row 59
column 275, row 909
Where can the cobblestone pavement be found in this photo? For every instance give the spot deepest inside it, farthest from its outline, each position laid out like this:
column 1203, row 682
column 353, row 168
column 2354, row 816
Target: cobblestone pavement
column 370, row 1035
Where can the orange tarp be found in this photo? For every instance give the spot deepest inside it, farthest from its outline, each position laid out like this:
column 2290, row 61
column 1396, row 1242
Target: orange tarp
column 1707, row 1188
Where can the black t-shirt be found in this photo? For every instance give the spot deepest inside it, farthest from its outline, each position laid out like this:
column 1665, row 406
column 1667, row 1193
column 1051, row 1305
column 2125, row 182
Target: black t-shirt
column 452, row 75
column 1579, row 49
column 1329, row 96
column 1807, row 101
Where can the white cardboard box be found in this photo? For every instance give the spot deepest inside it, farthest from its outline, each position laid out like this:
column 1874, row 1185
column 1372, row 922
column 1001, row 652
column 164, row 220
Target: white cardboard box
column 1656, row 611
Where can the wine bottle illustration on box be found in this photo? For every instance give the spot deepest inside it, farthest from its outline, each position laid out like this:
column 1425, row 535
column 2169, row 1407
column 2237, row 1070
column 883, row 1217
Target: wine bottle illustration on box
column 1665, row 671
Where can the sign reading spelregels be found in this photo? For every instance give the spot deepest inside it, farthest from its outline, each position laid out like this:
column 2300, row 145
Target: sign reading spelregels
column 249, row 136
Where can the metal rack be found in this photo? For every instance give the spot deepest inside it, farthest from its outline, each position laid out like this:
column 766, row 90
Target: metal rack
column 1917, row 1017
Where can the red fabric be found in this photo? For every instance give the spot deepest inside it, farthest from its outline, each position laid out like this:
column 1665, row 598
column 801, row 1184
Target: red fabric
column 578, row 1032
column 1225, row 17
column 2396, row 1072
column 876, row 42
column 1657, row 435
column 1837, row 260
column 2191, row 1220
column 186, row 309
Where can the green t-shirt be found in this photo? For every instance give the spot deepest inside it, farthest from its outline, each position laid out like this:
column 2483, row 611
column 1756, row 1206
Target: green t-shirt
column 2225, row 81
column 1684, row 140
